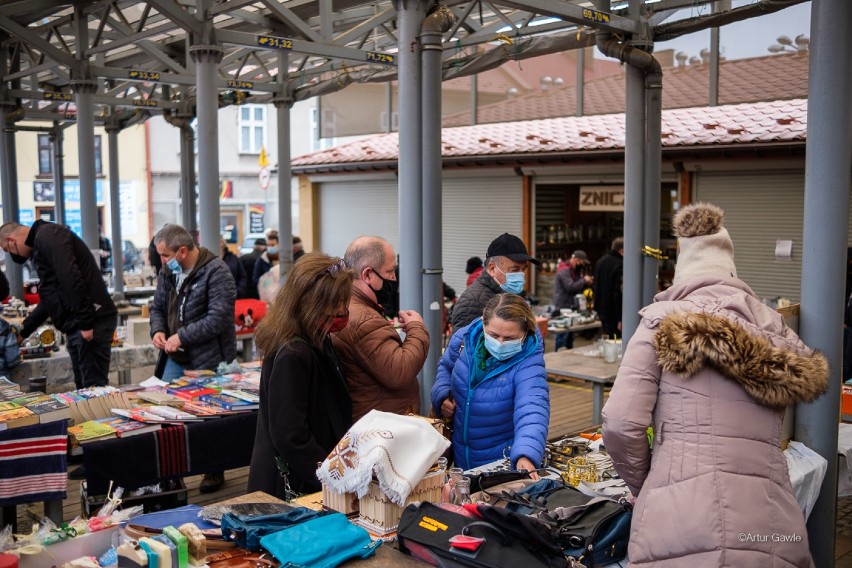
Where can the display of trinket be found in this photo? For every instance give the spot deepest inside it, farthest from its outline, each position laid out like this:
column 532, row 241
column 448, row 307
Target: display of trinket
column 40, row 344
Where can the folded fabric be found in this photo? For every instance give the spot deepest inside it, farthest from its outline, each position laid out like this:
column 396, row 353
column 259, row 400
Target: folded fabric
column 398, row 449
column 323, row 542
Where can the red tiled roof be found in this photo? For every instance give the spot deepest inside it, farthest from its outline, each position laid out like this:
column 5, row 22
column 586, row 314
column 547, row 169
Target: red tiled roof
column 730, row 125
column 773, row 77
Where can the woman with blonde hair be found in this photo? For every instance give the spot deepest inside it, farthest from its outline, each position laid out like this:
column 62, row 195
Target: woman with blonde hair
column 492, row 384
column 304, row 406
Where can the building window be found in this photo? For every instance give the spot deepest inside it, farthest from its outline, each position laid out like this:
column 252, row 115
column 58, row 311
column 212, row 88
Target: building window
column 45, row 155
column 252, row 126
column 99, row 163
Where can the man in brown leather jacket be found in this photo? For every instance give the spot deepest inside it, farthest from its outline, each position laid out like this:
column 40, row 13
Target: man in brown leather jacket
column 380, row 367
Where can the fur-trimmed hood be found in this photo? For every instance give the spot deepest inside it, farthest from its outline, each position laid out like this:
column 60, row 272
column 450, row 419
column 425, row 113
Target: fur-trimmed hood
column 688, row 341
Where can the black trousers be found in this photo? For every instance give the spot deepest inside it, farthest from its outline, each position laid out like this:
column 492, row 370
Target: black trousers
column 90, row 359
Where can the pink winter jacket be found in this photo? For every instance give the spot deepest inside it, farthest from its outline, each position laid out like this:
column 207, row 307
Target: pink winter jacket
column 712, row 369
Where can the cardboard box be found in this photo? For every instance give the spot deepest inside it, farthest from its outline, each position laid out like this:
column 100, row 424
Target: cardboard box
column 138, row 331
column 90, row 504
column 89, row 544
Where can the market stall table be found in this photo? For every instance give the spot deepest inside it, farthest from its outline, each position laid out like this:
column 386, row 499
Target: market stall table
column 573, row 364
column 207, row 446
column 60, row 375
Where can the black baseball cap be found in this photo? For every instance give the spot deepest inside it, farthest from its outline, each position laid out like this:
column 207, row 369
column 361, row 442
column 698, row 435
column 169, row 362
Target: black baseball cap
column 511, row 247
column 580, row 255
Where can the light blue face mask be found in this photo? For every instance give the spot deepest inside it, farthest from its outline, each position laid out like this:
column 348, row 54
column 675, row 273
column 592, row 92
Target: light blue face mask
column 502, row 350
column 174, row 266
column 515, row 282
column 272, row 250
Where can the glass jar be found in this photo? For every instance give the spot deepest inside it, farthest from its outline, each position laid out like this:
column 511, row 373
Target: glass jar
column 580, row 469
column 560, row 234
column 462, row 491
column 454, row 474
column 551, row 235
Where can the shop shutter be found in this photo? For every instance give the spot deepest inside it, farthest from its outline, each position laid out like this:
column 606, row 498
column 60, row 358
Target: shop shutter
column 760, row 208
column 476, row 211
column 348, row 209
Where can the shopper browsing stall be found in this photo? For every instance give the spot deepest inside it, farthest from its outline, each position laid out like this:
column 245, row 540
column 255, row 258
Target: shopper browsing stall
column 491, row 382
column 304, row 405
column 711, row 369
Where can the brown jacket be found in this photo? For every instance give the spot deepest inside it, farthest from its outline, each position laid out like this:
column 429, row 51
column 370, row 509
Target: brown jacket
column 712, row 369
column 380, row 368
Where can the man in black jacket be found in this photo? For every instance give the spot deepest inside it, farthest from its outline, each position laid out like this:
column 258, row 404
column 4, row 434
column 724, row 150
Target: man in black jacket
column 192, row 314
column 609, row 272
column 506, row 260
column 72, row 293
column 248, row 261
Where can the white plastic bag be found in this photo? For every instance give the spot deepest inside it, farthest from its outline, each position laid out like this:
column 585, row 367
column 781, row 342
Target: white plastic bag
column 807, row 470
column 267, row 286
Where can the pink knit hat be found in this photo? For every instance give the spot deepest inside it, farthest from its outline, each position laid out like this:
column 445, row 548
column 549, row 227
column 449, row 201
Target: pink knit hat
column 705, row 245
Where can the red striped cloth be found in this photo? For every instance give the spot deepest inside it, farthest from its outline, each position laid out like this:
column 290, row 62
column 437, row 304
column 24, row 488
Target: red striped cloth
column 33, row 464
column 172, row 451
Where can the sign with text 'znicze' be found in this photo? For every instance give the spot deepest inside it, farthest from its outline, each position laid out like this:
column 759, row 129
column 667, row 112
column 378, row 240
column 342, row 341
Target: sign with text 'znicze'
column 602, row 198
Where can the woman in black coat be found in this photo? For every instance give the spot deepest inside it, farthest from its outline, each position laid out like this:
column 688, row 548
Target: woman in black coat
column 305, row 408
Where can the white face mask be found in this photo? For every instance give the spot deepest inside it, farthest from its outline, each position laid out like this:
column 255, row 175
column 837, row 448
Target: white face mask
column 515, row 282
column 502, row 350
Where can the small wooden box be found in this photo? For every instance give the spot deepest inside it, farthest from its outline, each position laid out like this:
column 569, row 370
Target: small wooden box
column 381, row 516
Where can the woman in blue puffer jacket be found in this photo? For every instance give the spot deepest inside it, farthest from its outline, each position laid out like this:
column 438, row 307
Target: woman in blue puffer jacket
column 492, row 383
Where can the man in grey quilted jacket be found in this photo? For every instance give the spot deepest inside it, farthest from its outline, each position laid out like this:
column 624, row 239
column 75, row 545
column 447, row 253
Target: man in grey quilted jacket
column 192, row 315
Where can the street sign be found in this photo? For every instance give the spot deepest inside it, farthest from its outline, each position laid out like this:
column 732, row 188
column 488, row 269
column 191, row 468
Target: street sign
column 263, row 159
column 263, row 177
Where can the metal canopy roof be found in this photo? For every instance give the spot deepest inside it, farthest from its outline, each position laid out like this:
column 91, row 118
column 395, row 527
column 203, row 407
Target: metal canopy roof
column 138, row 51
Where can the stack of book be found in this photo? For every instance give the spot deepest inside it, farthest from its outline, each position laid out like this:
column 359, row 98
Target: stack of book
column 19, row 409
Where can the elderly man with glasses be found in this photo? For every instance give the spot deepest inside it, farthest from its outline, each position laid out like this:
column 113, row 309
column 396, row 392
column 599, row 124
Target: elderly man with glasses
column 380, row 367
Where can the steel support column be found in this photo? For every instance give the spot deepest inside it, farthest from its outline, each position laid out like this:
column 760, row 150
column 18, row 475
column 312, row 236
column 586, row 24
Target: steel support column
column 115, row 211
column 189, row 205
column 653, row 165
column 411, row 14
column 57, row 139
column 827, row 181
column 206, row 59
column 580, row 82
column 434, row 26
column 9, row 179
column 85, row 91
column 283, row 102
column 634, row 181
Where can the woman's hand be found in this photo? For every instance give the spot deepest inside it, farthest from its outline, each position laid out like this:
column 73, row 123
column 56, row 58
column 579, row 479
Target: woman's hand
column 525, row 464
column 448, row 408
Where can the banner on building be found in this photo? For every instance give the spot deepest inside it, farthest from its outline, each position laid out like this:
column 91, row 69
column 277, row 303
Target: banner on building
column 256, row 219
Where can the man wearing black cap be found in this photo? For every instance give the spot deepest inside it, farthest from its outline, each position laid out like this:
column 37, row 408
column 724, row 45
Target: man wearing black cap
column 505, row 262
column 571, row 280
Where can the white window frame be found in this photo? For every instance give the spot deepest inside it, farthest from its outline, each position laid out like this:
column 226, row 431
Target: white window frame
column 252, row 124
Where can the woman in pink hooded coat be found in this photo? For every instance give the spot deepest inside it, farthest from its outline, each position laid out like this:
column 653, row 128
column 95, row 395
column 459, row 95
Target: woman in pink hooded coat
column 712, row 370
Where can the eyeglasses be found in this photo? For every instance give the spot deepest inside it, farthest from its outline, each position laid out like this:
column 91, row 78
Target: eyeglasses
column 333, row 270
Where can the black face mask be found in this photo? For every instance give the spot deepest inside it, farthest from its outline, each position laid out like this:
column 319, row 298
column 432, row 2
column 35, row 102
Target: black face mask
column 385, row 294
column 17, row 258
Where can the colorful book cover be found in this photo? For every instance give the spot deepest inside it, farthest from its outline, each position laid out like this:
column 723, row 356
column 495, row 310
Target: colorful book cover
column 228, row 402
column 190, row 392
column 125, row 427
column 91, row 430
column 139, row 414
column 48, row 409
column 16, row 416
column 204, row 410
column 242, row 395
column 170, row 413
column 161, row 398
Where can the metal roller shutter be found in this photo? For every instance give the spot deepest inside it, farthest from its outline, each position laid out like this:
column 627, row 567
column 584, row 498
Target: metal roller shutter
column 348, row 209
column 760, row 208
column 476, row 211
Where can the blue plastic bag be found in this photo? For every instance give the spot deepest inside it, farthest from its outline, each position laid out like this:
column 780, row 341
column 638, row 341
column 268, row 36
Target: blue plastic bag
column 247, row 530
column 323, row 542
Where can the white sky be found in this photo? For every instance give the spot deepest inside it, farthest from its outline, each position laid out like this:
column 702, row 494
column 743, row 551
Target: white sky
column 748, row 38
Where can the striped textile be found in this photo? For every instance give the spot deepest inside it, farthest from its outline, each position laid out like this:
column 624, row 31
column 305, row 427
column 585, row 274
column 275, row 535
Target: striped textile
column 33, row 463
column 172, row 451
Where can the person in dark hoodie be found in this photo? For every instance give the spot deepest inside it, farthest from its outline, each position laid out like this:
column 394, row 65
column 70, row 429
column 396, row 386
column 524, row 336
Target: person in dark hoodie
column 73, row 295
column 236, row 268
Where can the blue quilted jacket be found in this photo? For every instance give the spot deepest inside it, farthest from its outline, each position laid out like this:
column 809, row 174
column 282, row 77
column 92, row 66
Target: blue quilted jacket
column 508, row 409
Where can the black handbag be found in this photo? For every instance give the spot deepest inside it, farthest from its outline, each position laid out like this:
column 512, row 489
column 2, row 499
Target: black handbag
column 488, row 479
column 595, row 530
column 426, row 532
